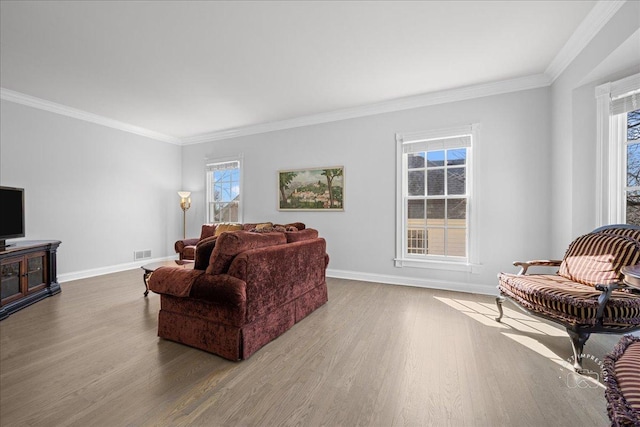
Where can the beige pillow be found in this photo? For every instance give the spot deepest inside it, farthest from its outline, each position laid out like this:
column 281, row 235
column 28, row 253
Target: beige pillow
column 264, row 225
column 221, row 228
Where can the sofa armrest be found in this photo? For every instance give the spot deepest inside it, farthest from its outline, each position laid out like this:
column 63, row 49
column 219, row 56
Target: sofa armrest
column 220, row 289
column 173, row 281
column 524, row 265
column 180, row 244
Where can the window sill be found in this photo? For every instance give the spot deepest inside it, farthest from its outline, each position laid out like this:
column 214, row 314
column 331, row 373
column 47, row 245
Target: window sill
column 438, row 265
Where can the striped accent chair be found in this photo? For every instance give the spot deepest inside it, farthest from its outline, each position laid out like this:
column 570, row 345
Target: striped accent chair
column 586, row 295
column 621, row 370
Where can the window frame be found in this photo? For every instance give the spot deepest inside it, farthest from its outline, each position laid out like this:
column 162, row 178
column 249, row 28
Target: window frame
column 611, row 155
column 403, row 258
column 208, row 184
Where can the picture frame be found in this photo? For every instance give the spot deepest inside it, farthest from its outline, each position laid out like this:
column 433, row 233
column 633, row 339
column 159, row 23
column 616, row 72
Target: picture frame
column 311, row 189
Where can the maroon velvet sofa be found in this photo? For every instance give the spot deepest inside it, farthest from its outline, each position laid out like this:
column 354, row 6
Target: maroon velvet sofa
column 254, row 287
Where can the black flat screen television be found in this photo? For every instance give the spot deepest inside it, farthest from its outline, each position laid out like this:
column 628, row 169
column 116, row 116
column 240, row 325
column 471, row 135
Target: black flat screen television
column 11, row 214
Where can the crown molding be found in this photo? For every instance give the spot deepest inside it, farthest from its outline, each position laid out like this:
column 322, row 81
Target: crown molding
column 42, row 104
column 417, row 101
column 601, row 13
column 399, row 104
column 597, row 18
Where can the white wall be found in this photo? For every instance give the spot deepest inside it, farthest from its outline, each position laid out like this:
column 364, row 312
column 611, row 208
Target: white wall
column 512, row 156
column 574, row 124
column 103, row 192
column 106, row 193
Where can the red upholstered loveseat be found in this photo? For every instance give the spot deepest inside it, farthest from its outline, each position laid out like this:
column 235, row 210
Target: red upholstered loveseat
column 255, row 287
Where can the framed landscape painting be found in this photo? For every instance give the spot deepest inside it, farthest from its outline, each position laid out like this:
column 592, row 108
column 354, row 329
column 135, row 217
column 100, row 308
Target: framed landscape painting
column 314, row 189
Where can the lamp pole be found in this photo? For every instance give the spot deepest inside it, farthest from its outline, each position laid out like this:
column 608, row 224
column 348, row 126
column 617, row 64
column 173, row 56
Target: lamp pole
column 185, row 204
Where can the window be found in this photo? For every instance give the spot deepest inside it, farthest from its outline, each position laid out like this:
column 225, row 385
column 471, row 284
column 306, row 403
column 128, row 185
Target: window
column 224, row 191
column 435, row 226
column 632, row 162
column 618, row 171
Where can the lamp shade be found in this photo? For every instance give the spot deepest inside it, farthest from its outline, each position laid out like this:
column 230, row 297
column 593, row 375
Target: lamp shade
column 184, row 194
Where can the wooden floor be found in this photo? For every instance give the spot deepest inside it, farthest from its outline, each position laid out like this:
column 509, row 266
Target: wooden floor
column 374, row 355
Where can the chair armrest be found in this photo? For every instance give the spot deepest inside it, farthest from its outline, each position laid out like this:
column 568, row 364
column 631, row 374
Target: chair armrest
column 524, row 265
column 180, row 244
column 603, row 299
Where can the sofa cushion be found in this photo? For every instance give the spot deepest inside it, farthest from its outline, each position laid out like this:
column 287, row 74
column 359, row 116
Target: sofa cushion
column 298, row 236
column 596, row 258
column 297, row 225
column 621, row 369
column 228, row 245
column 221, row 228
column 568, row 301
column 268, row 229
column 208, row 230
column 628, row 370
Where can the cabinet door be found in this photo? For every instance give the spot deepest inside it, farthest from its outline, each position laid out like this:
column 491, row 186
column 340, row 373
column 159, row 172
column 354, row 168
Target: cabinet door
column 36, row 277
column 10, row 283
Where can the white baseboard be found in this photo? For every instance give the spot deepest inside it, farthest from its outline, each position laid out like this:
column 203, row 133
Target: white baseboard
column 67, row 277
column 338, row 274
column 410, row 281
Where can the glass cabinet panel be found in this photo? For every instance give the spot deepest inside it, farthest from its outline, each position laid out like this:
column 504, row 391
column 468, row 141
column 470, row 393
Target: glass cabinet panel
column 35, row 271
column 10, row 279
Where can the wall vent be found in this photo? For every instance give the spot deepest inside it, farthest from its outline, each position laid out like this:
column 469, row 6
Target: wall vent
column 137, row 255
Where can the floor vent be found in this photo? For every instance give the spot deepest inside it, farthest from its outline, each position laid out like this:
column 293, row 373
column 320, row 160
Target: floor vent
column 142, row 254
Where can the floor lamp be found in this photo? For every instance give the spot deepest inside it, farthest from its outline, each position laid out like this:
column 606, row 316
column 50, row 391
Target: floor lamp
column 185, row 204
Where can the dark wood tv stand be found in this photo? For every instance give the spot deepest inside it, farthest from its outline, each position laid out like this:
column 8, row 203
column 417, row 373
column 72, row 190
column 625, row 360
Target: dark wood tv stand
column 27, row 274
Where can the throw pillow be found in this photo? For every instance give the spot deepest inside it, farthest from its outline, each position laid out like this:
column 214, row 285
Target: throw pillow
column 597, row 258
column 298, row 236
column 625, row 232
column 229, row 245
column 221, row 228
column 208, row 230
column 272, row 229
column 203, row 252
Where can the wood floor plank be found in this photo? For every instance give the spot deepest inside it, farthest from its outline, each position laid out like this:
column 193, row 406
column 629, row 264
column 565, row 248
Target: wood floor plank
column 374, row 355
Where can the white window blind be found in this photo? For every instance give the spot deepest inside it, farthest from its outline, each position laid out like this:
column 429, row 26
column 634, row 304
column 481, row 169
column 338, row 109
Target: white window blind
column 437, row 144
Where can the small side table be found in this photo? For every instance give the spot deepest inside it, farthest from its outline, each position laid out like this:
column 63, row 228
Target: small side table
column 150, row 268
column 631, row 276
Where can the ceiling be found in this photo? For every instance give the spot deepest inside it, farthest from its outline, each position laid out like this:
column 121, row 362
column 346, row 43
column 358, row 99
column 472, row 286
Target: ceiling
column 183, row 69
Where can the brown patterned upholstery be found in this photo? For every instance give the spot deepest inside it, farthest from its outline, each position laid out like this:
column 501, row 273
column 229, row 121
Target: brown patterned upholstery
column 626, row 232
column 596, row 258
column 621, row 369
column 586, row 295
column 568, row 301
